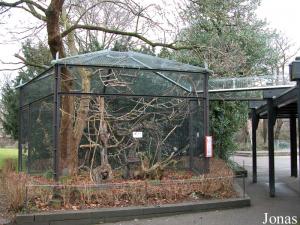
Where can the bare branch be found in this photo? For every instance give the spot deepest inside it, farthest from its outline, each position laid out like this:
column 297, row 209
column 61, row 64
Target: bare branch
column 28, row 32
column 12, row 69
column 93, row 6
column 27, row 63
column 131, row 34
column 17, row 3
column 10, row 63
column 35, row 13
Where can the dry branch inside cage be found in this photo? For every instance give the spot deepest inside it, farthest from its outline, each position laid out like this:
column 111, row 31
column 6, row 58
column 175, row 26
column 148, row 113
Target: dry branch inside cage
column 103, row 125
column 154, row 172
column 110, row 124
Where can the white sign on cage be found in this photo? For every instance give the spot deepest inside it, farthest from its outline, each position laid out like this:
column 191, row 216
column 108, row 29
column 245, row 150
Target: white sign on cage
column 208, row 147
column 137, row 134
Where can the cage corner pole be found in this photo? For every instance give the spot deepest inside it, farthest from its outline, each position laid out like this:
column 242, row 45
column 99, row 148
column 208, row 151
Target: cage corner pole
column 192, row 139
column 20, row 150
column 56, row 119
column 206, row 115
column 206, row 105
column 29, row 139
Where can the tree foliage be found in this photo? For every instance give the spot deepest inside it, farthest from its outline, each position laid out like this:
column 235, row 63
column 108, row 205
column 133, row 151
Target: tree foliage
column 36, row 54
column 226, row 119
column 236, row 44
column 9, row 117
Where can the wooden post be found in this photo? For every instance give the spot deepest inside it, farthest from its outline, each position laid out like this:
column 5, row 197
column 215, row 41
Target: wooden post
column 255, row 121
column 298, row 109
column 293, row 143
column 271, row 123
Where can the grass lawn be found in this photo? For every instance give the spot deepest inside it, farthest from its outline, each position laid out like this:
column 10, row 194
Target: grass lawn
column 6, row 153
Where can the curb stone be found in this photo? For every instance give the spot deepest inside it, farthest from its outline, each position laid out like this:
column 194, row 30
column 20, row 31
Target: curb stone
column 104, row 215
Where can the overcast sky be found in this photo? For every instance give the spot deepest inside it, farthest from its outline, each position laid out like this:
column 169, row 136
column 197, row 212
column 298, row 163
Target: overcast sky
column 281, row 14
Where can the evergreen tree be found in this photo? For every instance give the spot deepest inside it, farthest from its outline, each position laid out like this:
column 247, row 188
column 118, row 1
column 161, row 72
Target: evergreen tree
column 234, row 43
column 35, row 54
column 9, row 103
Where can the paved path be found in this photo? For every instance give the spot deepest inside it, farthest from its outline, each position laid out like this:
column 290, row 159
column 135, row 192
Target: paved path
column 286, row 202
column 3, row 205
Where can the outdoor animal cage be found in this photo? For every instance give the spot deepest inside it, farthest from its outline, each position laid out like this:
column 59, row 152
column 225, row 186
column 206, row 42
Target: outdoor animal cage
column 120, row 104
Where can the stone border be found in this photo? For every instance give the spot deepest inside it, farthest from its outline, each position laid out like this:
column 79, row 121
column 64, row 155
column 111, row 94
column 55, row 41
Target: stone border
column 95, row 216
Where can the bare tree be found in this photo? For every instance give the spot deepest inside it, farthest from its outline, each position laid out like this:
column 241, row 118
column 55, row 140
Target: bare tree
column 285, row 52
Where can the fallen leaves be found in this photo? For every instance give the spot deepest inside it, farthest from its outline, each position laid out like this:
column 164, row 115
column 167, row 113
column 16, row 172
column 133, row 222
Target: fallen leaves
column 75, row 193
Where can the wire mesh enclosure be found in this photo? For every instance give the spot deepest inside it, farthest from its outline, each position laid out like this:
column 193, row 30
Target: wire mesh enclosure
column 107, row 111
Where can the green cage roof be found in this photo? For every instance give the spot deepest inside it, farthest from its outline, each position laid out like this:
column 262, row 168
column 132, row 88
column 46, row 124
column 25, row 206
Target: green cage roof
column 130, row 60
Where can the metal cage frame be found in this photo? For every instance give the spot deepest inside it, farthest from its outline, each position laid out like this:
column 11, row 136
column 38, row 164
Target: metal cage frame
column 57, row 93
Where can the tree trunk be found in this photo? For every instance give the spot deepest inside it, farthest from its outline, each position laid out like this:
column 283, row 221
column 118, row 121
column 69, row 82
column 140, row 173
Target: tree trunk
column 279, row 124
column 265, row 130
column 249, row 132
column 53, row 29
column 72, row 123
column 56, row 47
column 104, row 171
column 103, row 132
column 65, row 135
column 71, row 129
column 80, row 123
column 283, row 71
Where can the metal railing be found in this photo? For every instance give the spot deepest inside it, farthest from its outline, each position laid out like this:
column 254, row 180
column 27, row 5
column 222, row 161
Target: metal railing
column 135, row 192
column 249, row 83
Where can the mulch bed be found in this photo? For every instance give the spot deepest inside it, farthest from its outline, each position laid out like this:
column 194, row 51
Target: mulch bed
column 79, row 192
